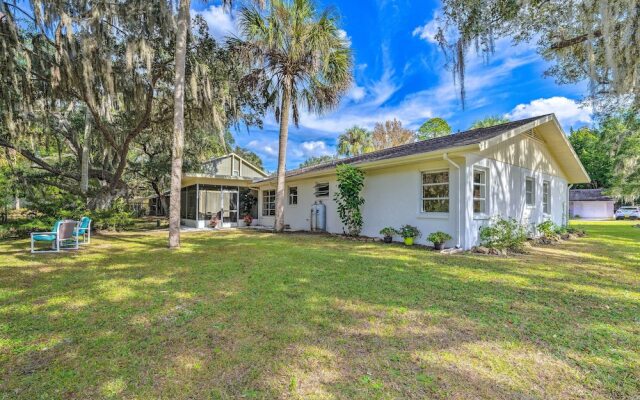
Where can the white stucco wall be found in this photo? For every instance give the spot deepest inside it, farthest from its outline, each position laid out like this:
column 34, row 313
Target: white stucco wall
column 393, row 194
column 506, row 196
column 392, row 198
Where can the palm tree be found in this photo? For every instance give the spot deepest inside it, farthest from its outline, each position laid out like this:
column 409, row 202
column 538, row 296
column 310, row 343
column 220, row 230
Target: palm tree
column 178, row 123
column 299, row 59
column 354, row 142
column 489, row 121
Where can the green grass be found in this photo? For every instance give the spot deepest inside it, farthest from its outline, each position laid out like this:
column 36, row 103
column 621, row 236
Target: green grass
column 256, row 315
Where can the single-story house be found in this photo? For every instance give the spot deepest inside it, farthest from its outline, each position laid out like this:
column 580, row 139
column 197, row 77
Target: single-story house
column 454, row 184
column 590, row 203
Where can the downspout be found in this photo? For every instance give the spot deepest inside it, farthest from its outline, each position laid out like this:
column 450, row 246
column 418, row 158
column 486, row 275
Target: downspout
column 566, row 210
column 445, row 156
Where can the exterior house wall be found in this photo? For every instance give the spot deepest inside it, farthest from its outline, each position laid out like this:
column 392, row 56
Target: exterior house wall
column 393, row 194
column 506, row 197
column 393, row 198
column 298, row 216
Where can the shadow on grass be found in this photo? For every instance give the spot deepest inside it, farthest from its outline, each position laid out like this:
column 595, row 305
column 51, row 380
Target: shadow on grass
column 255, row 314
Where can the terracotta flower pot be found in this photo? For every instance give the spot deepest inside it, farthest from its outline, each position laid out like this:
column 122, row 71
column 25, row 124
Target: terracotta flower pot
column 408, row 241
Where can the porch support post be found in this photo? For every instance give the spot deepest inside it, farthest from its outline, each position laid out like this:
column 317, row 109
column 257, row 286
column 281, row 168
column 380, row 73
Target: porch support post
column 197, row 204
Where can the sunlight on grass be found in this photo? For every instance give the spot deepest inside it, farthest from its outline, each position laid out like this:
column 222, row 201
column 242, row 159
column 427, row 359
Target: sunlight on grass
column 242, row 314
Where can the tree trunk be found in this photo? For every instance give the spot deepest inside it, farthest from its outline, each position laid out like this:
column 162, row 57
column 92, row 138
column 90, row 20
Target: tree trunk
column 84, row 169
column 161, row 198
column 178, row 124
column 282, row 156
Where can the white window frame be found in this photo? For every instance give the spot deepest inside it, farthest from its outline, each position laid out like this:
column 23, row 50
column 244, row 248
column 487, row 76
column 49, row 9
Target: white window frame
column 321, row 194
column 546, row 197
column 292, row 196
column 266, row 211
column 533, row 191
column 485, row 199
column 422, row 198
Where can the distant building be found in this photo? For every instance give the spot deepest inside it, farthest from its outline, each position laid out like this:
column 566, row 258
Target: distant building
column 590, row 204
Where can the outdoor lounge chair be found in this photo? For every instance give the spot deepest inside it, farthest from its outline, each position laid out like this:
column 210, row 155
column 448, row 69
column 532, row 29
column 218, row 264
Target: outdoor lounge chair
column 84, row 230
column 61, row 237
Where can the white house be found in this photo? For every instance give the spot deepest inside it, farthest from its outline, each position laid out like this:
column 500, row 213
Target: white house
column 590, row 204
column 454, row 184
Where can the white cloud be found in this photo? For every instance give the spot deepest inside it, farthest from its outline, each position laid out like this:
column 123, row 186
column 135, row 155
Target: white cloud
column 342, row 34
column 221, row 22
column 356, row 93
column 313, row 148
column 481, row 80
column 265, row 148
column 427, row 31
column 569, row 112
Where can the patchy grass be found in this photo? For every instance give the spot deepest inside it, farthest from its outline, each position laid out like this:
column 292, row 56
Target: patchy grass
column 255, row 315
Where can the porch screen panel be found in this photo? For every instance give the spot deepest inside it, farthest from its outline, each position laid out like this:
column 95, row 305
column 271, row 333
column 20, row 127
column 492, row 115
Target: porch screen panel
column 191, row 202
column 183, row 203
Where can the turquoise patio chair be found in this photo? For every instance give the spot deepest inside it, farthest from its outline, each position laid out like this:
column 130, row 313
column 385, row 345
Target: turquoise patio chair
column 61, row 237
column 84, row 230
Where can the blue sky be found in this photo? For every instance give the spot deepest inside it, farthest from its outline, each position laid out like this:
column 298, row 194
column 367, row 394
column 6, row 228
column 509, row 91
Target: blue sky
column 400, row 73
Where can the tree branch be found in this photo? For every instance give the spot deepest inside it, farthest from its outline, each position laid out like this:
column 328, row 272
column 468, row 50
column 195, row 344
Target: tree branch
column 575, row 40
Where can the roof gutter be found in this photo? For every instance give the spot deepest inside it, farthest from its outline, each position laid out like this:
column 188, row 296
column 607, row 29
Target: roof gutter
column 445, row 156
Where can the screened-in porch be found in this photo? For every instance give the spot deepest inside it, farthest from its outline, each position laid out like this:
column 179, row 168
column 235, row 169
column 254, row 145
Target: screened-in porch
column 200, row 204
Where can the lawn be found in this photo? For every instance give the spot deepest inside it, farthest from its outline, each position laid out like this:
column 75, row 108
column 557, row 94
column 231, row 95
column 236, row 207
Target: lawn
column 256, row 315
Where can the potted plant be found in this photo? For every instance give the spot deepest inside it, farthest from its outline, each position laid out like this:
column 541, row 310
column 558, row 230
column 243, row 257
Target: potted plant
column 388, row 234
column 438, row 239
column 409, row 233
column 248, row 219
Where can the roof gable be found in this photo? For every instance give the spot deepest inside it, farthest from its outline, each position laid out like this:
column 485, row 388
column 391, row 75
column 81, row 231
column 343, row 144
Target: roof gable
column 547, row 129
column 232, row 165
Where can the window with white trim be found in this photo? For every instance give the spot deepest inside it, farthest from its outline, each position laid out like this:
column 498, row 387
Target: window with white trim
column 268, row 203
column 293, row 195
column 546, row 197
column 530, row 191
column 479, row 191
column 322, row 190
column 435, row 192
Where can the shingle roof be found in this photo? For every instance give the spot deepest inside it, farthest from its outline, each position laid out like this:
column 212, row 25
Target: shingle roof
column 588, row 195
column 472, row 136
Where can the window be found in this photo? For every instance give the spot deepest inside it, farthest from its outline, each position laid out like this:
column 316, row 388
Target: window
column 479, row 191
column 322, row 190
column 268, row 203
column 293, row 196
column 435, row 191
column 529, row 192
column 546, row 197
column 235, row 167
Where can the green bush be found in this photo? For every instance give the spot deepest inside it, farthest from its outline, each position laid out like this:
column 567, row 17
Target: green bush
column 115, row 218
column 548, row 229
column 503, row 234
column 21, row 228
column 388, row 231
column 409, row 231
column 438, row 237
column 348, row 198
